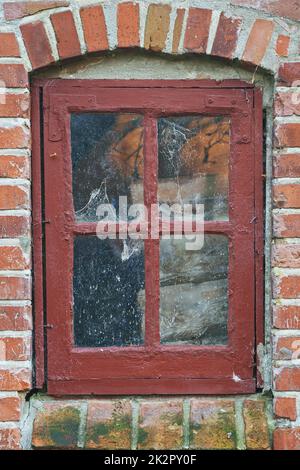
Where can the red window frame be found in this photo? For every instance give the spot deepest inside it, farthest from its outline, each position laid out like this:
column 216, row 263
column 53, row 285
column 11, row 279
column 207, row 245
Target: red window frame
column 152, row 368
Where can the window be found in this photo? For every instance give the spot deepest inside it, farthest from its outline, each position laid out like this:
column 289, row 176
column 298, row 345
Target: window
column 147, row 315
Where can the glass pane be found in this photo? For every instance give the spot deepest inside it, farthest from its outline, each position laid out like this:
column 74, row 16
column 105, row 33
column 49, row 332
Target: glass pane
column 108, row 284
column 107, row 161
column 193, row 162
column 193, row 292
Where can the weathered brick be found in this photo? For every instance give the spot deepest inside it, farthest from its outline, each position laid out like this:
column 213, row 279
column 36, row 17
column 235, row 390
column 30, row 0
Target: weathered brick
column 256, row 425
column 287, row 103
column 9, row 46
column 15, row 318
column 177, row 29
column 288, row 379
column 287, row 165
column 258, row 41
column 160, row 425
column 285, row 407
column 13, row 257
column 15, row 10
column 286, row 195
column 13, row 75
column 108, row 424
column 13, row 197
column 15, row 288
column 286, row 8
column 288, row 135
column 197, row 30
column 12, row 105
column 94, row 28
column 286, row 225
column 286, row 256
column 9, row 408
column 287, row 348
column 286, row 439
column 56, row 425
column 10, row 439
column 66, row 34
column 286, row 317
column 14, row 137
column 14, row 167
column 15, row 379
column 282, row 45
column 212, row 424
column 15, row 349
column 157, row 27
column 289, row 73
column 226, row 36
column 286, row 286
column 12, row 226
column 128, row 25
column 39, row 51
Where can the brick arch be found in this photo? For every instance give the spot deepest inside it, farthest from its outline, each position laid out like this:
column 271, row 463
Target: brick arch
column 65, row 32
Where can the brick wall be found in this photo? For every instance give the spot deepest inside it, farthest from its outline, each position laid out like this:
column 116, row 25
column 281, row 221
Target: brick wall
column 37, row 34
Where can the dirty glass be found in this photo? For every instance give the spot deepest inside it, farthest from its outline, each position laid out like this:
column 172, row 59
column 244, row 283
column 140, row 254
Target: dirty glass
column 107, row 161
column 108, row 290
column 193, row 154
column 193, row 292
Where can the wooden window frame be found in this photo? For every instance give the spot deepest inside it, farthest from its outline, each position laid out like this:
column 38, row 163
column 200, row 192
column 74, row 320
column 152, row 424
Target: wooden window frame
column 152, row 368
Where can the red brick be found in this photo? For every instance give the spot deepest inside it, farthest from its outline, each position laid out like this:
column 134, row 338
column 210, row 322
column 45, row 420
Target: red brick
column 14, row 105
column 94, row 28
column 177, row 29
column 10, row 439
column 287, row 165
column 9, row 409
column 160, row 424
column 286, row 195
column 15, row 318
column 289, row 74
column 14, row 137
column 256, row 425
column 157, row 27
column 9, row 46
column 226, row 36
column 15, row 379
column 13, row 197
column 56, row 425
column 66, row 34
column 285, row 407
column 14, row 349
column 286, row 317
column 212, row 424
column 287, row 103
column 287, row 347
column 286, row 8
column 39, row 51
column 14, row 167
column 15, row 288
column 258, row 41
column 286, row 225
column 113, row 416
column 13, row 75
column 15, row 10
column 286, row 287
column 282, row 45
column 128, row 25
column 288, row 379
column 12, row 226
column 12, row 257
column 286, row 256
column 286, row 439
column 197, row 30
